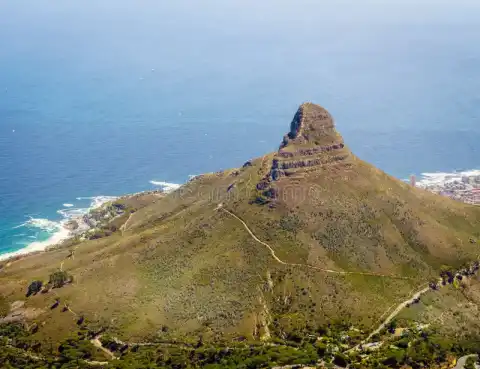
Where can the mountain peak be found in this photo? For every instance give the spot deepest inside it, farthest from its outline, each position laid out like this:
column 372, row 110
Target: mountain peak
column 313, row 143
column 311, row 125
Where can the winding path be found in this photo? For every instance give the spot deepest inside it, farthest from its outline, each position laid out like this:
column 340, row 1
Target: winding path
column 392, row 315
column 274, row 255
column 388, row 319
column 123, row 228
column 461, row 362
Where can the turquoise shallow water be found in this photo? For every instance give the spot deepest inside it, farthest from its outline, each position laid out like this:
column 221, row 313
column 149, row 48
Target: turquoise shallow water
column 102, row 98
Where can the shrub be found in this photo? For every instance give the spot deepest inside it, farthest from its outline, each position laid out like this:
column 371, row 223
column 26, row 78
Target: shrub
column 340, row 360
column 392, row 326
column 34, row 288
column 74, row 349
column 290, row 223
column 59, row 278
column 260, row 200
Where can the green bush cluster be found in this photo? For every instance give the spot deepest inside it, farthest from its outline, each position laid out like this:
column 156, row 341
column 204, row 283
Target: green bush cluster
column 291, row 223
column 416, row 350
column 34, row 288
column 59, row 279
column 250, row 357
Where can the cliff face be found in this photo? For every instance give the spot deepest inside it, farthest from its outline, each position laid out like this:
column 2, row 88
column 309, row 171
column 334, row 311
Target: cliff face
column 345, row 241
column 311, row 144
column 312, row 125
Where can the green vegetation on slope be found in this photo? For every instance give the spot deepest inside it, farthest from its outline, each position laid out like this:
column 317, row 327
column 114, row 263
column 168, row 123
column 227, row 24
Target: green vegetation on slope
column 175, row 267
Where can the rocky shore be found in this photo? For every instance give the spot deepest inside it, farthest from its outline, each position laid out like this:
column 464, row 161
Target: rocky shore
column 101, row 220
column 98, row 222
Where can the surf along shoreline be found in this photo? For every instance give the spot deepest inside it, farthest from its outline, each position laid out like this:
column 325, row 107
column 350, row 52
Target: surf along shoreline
column 60, row 231
column 76, row 222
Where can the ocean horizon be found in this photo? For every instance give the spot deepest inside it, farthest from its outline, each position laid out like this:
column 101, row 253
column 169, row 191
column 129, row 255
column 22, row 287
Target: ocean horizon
column 96, row 103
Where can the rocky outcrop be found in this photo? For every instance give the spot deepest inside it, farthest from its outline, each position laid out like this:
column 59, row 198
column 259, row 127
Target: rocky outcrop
column 20, row 313
column 71, row 225
column 312, row 141
column 311, row 144
column 311, row 124
column 309, row 152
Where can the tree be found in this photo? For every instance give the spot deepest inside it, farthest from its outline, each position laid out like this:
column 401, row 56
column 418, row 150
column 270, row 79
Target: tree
column 340, row 360
column 34, row 288
column 392, row 326
column 394, row 358
column 58, row 279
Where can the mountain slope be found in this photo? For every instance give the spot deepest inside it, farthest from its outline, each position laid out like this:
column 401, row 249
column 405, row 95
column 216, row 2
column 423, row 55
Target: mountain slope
column 196, row 261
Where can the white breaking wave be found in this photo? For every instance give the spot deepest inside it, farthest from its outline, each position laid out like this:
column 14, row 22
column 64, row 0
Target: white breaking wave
column 95, row 203
column 19, row 226
column 73, row 212
column 43, row 224
column 57, row 237
column 432, row 179
column 165, row 186
column 56, row 228
column 98, row 201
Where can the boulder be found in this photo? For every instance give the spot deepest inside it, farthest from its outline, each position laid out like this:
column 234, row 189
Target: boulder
column 71, row 225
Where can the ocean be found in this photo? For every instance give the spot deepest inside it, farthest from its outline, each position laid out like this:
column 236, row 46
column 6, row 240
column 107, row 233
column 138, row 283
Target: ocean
column 100, row 99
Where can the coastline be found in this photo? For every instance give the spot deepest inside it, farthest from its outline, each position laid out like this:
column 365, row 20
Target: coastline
column 78, row 222
column 37, row 246
column 461, row 186
column 61, row 231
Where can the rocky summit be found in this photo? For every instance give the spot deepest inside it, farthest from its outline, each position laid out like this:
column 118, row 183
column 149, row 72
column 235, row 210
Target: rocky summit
column 311, row 126
column 312, row 145
column 306, row 255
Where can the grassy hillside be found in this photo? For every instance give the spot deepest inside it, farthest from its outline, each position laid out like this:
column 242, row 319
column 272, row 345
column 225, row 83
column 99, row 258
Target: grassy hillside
column 179, row 267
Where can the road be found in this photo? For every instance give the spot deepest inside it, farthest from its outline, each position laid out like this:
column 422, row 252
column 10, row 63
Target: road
column 392, row 315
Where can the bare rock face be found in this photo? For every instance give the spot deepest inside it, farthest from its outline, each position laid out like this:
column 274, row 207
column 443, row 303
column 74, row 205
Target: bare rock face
column 312, row 145
column 71, row 225
column 312, row 126
column 312, row 142
column 19, row 313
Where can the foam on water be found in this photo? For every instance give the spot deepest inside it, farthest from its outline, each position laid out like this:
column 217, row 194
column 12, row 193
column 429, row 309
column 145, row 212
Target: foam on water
column 55, row 229
column 57, row 237
column 43, row 224
column 166, row 186
column 19, row 226
column 97, row 201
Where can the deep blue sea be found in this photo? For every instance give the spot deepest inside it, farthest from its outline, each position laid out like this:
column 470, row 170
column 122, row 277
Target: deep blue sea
column 102, row 97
